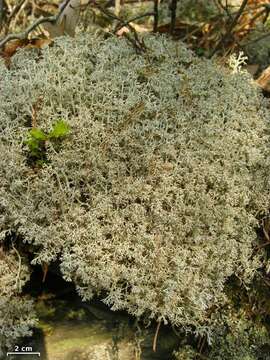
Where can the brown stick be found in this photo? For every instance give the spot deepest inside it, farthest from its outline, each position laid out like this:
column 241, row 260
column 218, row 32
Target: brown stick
column 155, row 28
column 45, row 268
column 2, row 14
column 126, row 23
column 14, row 12
column 224, row 7
column 156, row 335
column 136, row 42
column 173, row 8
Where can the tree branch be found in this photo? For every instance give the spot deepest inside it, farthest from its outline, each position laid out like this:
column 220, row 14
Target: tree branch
column 136, row 42
column 231, row 27
column 23, row 35
column 126, row 23
column 14, row 12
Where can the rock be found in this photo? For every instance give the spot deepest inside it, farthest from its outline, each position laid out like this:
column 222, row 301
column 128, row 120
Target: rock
column 102, row 351
column 126, row 350
column 73, row 330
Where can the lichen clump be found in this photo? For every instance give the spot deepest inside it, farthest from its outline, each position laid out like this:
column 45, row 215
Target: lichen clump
column 151, row 200
column 16, row 311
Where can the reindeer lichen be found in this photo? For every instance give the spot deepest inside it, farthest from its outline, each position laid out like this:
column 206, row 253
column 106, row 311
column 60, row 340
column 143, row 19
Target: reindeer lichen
column 154, row 198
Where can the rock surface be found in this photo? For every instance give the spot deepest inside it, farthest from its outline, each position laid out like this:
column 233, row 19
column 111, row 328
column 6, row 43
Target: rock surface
column 73, row 330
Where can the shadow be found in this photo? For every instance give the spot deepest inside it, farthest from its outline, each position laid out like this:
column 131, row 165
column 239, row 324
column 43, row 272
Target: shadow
column 32, row 344
column 37, row 343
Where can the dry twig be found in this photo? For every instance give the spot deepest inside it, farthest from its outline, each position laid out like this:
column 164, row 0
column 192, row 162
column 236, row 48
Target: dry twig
column 17, row 283
column 126, row 23
column 136, row 42
column 23, row 35
column 155, row 28
column 231, row 27
column 156, row 335
column 14, row 13
column 173, row 8
column 2, row 13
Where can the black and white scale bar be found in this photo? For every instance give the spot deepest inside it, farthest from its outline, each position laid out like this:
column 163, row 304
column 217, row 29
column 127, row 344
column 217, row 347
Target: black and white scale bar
column 23, row 353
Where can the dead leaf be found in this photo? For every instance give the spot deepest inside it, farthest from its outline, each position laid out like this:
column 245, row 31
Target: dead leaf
column 264, row 80
column 138, row 28
column 11, row 47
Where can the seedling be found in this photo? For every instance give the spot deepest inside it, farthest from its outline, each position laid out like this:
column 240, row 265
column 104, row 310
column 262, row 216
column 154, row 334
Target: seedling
column 37, row 140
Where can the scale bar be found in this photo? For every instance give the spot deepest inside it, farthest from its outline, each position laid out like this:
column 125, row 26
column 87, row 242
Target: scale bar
column 23, row 353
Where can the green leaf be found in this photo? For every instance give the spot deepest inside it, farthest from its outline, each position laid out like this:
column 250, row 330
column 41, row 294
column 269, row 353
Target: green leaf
column 60, row 129
column 33, row 144
column 38, row 134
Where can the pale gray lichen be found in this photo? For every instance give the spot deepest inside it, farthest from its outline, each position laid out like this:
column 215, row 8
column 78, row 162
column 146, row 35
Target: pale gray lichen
column 236, row 337
column 153, row 198
column 17, row 314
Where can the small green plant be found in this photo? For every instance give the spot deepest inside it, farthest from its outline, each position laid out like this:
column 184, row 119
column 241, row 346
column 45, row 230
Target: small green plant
column 59, row 130
column 37, row 138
